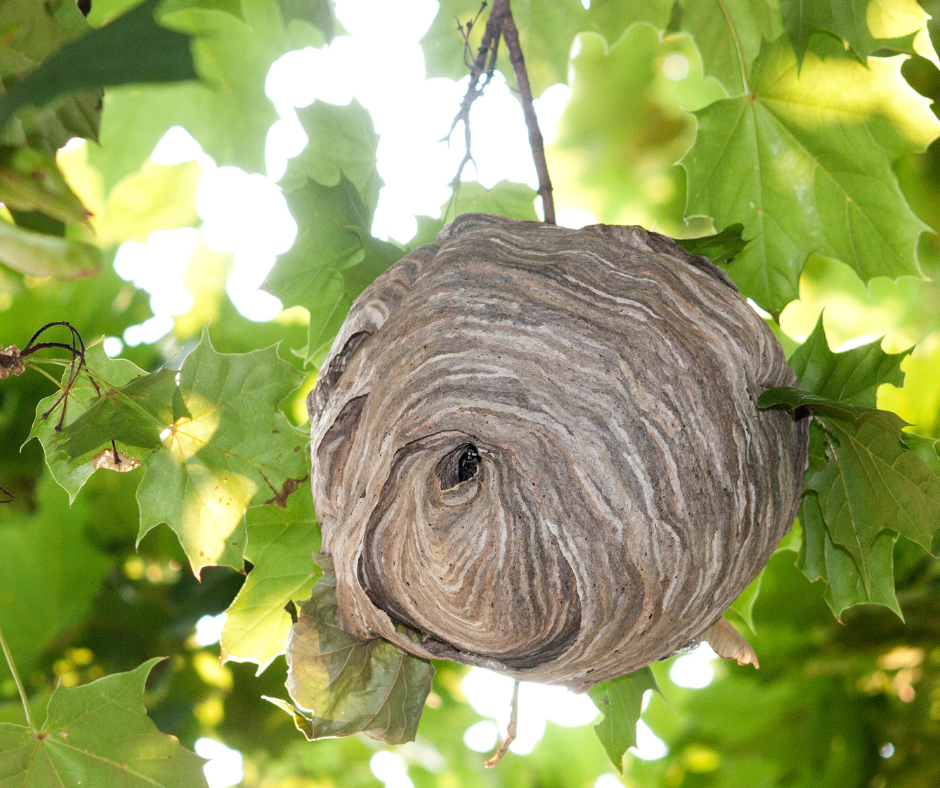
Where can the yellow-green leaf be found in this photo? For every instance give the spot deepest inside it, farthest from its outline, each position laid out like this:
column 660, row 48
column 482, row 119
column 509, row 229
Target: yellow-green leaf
column 621, row 701
column 865, row 25
column 157, row 197
column 281, row 544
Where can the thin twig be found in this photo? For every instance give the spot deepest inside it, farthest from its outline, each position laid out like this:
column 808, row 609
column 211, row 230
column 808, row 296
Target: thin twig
column 536, row 143
column 510, row 731
column 16, row 680
column 501, row 25
column 483, row 67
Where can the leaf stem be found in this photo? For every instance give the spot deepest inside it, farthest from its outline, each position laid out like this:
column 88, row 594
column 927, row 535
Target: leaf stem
column 18, row 682
column 46, row 374
column 737, row 45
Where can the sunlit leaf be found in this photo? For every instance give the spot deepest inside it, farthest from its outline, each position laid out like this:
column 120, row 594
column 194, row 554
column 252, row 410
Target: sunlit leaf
column 108, row 374
column 158, row 197
column 50, row 577
column 342, row 142
column 515, row 200
column 865, row 25
column 131, row 49
column 332, row 260
column 806, row 166
column 227, row 112
column 611, row 18
column 728, row 33
column 351, row 687
column 136, row 413
column 37, row 254
column 281, row 544
column 621, row 701
column 96, row 735
column 232, row 449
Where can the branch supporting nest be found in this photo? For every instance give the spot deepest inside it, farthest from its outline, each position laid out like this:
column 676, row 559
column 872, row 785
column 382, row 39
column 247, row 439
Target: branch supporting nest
column 502, row 25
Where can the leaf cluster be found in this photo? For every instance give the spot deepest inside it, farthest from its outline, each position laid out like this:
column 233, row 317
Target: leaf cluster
column 801, row 138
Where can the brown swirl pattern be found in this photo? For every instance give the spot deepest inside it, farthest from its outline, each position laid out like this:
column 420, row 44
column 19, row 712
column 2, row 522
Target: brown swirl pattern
column 540, row 447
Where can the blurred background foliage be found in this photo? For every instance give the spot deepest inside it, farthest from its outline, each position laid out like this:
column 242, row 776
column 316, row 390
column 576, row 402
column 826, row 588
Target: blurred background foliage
column 851, row 703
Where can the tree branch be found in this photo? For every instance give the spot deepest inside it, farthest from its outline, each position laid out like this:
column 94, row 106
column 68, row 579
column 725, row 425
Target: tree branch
column 536, row 143
column 502, row 25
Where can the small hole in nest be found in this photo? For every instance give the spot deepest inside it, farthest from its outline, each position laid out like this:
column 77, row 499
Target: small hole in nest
column 458, row 466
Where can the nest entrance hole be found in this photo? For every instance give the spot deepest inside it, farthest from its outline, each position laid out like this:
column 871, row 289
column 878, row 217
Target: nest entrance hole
column 458, row 466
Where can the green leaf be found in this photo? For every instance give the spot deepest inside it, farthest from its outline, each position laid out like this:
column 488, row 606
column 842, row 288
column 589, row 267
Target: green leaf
column 333, row 258
column 379, row 256
column 51, row 575
column 720, row 248
column 342, row 142
column 865, row 25
column 232, row 450
column 131, row 49
column 109, row 375
column 728, row 34
column 872, row 481
column 281, row 543
column 227, row 112
column 31, row 32
column 136, row 414
column 928, row 449
column 611, row 18
column 805, row 164
column 547, row 29
column 98, row 735
column 743, row 606
column 821, row 559
column 31, row 181
column 515, row 200
column 621, row 701
column 351, row 687
column 853, row 376
column 220, row 445
column 326, row 320
column 39, row 255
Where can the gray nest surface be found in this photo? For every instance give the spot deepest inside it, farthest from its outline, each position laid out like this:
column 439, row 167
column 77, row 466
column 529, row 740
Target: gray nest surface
column 540, row 448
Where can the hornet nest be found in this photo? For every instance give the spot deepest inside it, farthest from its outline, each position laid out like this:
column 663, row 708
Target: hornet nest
column 540, row 448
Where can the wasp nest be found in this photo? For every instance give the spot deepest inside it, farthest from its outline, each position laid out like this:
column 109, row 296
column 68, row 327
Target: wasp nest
column 540, row 448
